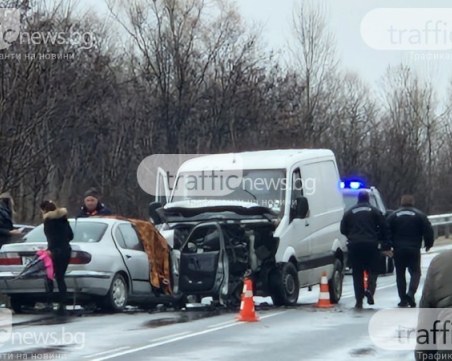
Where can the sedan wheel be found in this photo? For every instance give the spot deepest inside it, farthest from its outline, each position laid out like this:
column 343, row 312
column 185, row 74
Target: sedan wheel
column 116, row 298
column 16, row 305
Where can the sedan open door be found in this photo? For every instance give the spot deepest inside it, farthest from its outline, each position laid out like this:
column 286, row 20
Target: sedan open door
column 203, row 263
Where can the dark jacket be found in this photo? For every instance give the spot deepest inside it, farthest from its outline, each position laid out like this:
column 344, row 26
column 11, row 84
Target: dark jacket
column 100, row 210
column 408, row 226
column 436, row 302
column 437, row 291
column 364, row 223
column 6, row 223
column 57, row 229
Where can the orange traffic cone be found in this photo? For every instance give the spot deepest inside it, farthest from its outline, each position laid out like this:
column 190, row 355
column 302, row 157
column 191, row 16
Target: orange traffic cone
column 247, row 311
column 324, row 298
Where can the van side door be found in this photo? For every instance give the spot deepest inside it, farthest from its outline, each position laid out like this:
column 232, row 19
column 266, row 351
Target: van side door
column 321, row 181
column 296, row 234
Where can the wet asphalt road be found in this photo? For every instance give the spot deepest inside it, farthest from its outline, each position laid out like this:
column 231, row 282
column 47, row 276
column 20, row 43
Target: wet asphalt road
column 298, row 333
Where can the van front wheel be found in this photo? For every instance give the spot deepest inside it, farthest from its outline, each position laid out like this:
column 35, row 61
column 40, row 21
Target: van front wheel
column 285, row 285
column 335, row 283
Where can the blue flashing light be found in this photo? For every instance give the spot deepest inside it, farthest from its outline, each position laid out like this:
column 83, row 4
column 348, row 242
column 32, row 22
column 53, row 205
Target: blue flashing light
column 353, row 184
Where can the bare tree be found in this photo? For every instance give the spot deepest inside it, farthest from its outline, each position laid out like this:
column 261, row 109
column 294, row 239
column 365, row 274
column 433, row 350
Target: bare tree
column 188, row 77
column 410, row 130
column 354, row 122
column 315, row 58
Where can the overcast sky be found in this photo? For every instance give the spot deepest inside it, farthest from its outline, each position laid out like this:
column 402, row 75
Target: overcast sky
column 344, row 20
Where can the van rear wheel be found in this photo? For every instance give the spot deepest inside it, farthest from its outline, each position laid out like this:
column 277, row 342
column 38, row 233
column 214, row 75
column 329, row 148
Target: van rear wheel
column 285, row 286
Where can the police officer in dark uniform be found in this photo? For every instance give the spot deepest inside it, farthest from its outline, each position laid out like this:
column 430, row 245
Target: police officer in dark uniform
column 408, row 227
column 365, row 227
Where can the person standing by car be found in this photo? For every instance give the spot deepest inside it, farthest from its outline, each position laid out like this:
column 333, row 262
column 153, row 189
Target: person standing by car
column 92, row 206
column 364, row 226
column 59, row 234
column 7, row 230
column 408, row 227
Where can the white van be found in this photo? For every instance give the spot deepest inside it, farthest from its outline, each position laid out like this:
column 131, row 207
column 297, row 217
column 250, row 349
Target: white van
column 271, row 215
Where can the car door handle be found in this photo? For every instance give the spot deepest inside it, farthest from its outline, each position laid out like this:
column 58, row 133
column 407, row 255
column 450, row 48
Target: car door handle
column 306, row 224
column 128, row 256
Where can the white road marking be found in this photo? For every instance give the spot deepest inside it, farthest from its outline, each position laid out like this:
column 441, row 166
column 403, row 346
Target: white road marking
column 105, row 352
column 222, row 323
column 271, row 315
column 378, row 288
column 169, row 336
column 161, row 343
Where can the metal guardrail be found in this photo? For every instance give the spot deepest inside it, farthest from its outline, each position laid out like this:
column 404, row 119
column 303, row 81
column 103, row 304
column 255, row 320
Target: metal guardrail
column 441, row 224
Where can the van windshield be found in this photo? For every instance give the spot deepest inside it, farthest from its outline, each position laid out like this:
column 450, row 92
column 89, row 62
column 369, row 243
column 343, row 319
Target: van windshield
column 265, row 187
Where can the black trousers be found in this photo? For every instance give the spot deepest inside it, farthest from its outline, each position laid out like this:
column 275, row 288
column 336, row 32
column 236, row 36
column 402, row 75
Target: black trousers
column 407, row 258
column 60, row 257
column 364, row 257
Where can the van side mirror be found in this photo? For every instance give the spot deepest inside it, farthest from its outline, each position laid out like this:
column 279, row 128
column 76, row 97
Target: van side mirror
column 301, row 208
column 154, row 217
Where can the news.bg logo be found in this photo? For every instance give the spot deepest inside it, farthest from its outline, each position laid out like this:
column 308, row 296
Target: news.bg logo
column 9, row 26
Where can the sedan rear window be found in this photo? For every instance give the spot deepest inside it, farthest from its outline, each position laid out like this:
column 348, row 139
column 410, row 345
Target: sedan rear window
column 84, row 232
